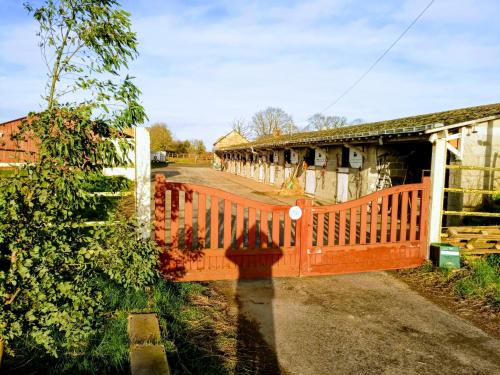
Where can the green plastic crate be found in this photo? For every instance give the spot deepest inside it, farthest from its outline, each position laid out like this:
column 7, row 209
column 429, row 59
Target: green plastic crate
column 445, row 255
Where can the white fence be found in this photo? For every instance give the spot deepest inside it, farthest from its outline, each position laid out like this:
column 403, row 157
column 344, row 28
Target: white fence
column 140, row 173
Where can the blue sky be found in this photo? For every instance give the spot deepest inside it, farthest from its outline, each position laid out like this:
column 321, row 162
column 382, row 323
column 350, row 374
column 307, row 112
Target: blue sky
column 204, row 63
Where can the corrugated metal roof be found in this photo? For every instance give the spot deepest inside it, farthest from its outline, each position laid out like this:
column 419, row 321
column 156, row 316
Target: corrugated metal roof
column 403, row 126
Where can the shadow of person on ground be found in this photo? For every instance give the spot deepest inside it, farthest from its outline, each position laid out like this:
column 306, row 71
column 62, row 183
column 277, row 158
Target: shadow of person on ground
column 256, row 349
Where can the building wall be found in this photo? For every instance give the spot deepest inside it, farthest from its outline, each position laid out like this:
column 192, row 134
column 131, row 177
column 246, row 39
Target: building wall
column 15, row 151
column 481, row 148
column 230, row 139
column 402, row 163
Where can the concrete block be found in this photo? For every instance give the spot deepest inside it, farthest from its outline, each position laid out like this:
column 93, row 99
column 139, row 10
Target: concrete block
column 148, row 360
column 143, row 328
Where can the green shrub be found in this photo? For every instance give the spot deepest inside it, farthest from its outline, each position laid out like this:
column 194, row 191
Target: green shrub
column 49, row 261
column 106, row 350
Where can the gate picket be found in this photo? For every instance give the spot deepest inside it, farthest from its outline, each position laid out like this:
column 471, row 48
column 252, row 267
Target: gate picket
column 214, row 222
column 201, row 219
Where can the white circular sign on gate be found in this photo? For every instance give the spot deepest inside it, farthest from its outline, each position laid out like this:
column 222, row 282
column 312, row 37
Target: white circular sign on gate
column 295, row 212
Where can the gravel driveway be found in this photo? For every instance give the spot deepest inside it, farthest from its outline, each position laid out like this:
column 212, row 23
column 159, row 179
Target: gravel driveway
column 368, row 323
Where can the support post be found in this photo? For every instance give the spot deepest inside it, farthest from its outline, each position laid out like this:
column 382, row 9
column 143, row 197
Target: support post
column 143, row 180
column 304, row 229
column 438, row 170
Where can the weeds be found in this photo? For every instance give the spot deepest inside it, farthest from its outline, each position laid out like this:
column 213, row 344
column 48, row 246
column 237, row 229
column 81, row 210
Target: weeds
column 482, row 280
column 198, row 336
column 479, row 278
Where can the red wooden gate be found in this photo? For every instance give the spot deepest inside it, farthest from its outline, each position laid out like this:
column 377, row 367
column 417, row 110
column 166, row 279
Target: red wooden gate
column 210, row 234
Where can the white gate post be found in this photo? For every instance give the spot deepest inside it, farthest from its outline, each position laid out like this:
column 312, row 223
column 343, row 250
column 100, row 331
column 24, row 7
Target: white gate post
column 438, row 171
column 143, row 181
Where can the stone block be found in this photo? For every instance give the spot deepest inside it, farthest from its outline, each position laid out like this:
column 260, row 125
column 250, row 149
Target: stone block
column 143, row 328
column 148, row 360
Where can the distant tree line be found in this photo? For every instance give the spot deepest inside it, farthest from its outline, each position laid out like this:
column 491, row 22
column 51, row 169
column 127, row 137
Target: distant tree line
column 162, row 139
column 275, row 121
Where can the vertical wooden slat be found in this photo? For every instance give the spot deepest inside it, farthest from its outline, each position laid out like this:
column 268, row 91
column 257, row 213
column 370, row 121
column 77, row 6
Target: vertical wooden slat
column 331, row 228
column 362, row 227
column 174, row 219
column 202, row 211
column 264, row 238
column 276, row 229
column 240, row 216
column 188, row 219
column 383, row 219
column 342, row 221
column 353, row 222
column 252, row 227
column 160, row 219
column 320, row 229
column 288, row 231
column 373, row 221
column 214, row 222
column 227, row 223
column 413, row 215
column 404, row 216
column 394, row 217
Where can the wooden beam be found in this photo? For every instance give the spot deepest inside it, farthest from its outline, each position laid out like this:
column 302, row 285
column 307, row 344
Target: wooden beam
column 438, row 169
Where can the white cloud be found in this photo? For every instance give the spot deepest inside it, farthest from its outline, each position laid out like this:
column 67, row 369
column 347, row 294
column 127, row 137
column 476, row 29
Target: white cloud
column 198, row 71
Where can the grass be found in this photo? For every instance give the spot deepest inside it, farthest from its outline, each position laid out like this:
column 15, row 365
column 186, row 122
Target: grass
column 198, row 332
column 199, row 337
column 191, row 161
column 479, row 278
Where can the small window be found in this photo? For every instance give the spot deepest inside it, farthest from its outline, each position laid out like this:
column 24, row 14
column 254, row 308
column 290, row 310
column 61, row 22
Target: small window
column 271, row 157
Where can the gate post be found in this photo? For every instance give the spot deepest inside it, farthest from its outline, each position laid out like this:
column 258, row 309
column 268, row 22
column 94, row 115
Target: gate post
column 304, row 229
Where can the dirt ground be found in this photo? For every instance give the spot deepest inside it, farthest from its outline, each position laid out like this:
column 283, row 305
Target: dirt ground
column 369, row 323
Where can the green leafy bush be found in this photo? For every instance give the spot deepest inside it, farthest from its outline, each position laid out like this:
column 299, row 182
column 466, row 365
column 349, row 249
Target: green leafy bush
column 51, row 264
column 106, row 350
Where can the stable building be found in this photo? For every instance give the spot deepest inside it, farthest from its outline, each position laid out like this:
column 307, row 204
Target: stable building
column 457, row 148
column 230, row 139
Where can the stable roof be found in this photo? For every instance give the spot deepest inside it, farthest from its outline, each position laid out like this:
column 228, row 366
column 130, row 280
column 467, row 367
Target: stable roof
column 406, row 126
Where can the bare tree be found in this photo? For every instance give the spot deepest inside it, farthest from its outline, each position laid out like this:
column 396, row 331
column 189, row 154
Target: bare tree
column 322, row 122
column 240, row 126
column 272, row 121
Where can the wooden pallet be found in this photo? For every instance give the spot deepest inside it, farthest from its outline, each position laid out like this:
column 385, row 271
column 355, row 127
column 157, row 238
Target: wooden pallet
column 474, row 240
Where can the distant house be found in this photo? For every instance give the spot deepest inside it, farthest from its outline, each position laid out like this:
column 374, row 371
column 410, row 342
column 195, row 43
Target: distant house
column 13, row 152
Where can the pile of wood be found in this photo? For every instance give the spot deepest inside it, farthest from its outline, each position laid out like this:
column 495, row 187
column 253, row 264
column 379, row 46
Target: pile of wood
column 474, row 240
